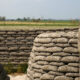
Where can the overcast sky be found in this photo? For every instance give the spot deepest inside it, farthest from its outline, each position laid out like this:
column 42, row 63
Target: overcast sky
column 54, row 9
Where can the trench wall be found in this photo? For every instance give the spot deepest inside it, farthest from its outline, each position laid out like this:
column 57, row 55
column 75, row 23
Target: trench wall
column 16, row 45
column 55, row 56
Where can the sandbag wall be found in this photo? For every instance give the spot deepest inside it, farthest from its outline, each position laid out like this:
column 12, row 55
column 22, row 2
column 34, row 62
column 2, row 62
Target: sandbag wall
column 54, row 56
column 16, row 45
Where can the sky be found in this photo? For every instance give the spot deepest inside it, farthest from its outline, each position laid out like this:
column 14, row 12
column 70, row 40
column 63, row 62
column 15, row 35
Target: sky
column 45, row 9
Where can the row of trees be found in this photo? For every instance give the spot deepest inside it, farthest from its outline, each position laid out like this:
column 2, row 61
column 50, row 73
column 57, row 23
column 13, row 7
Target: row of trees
column 28, row 19
column 19, row 19
column 2, row 18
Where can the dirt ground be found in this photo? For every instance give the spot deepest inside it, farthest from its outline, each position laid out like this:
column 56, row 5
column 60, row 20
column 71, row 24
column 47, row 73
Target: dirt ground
column 17, row 77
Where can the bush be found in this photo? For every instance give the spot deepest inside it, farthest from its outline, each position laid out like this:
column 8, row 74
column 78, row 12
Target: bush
column 22, row 68
column 10, row 68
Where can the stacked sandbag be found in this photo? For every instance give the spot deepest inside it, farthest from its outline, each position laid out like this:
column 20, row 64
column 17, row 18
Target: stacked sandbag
column 16, row 45
column 54, row 56
column 3, row 74
column 79, row 48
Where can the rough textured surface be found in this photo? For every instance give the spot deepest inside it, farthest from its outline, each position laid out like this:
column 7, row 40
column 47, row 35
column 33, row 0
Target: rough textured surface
column 57, row 61
column 79, row 40
column 16, row 45
column 3, row 74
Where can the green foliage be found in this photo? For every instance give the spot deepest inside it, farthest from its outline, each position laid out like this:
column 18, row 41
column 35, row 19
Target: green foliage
column 10, row 68
column 22, row 68
column 73, row 24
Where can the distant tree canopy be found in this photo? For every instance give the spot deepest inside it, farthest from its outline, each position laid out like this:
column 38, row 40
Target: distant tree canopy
column 2, row 18
column 28, row 19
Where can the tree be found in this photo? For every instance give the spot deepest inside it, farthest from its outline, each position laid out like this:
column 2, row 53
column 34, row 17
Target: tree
column 24, row 19
column 2, row 18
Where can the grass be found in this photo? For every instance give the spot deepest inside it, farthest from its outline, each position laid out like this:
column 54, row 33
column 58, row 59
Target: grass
column 21, row 68
column 33, row 27
column 24, row 25
column 14, row 23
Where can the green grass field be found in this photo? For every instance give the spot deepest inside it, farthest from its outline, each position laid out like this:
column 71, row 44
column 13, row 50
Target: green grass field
column 24, row 25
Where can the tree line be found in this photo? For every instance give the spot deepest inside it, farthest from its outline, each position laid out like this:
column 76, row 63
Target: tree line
column 2, row 18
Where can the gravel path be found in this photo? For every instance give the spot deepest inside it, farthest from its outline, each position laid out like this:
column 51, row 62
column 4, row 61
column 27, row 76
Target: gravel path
column 18, row 77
